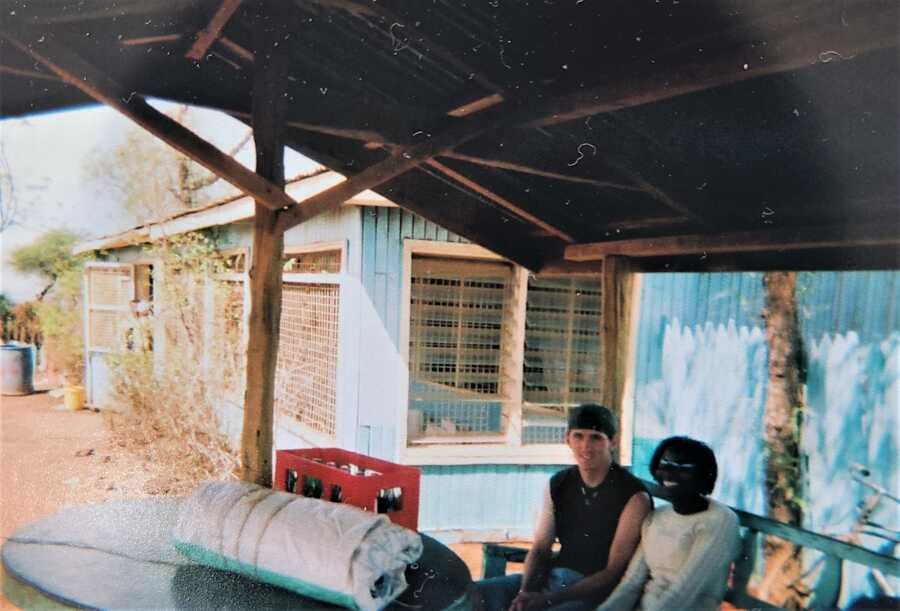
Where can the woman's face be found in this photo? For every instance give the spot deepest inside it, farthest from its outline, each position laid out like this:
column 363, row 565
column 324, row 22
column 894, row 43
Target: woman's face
column 679, row 473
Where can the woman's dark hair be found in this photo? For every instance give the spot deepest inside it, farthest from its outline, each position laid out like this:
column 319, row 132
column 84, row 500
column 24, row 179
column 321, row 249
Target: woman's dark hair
column 699, row 452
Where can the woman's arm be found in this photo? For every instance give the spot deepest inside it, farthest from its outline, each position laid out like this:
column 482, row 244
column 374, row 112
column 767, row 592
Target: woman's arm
column 628, row 592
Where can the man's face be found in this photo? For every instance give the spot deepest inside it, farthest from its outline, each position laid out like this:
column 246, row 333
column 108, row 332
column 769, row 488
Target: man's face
column 591, row 449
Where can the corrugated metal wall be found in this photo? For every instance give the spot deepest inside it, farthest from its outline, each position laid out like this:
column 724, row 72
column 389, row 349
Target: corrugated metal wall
column 701, row 371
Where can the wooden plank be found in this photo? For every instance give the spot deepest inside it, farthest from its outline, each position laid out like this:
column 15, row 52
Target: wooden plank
column 524, row 169
column 869, row 26
column 474, row 106
column 500, row 201
column 269, row 110
column 237, row 49
column 149, row 40
column 208, row 35
column 66, row 64
column 743, row 241
column 28, row 73
column 391, row 167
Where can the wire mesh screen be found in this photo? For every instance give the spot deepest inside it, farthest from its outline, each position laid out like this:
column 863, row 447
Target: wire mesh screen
column 319, row 262
column 228, row 350
column 306, row 376
column 456, row 324
column 109, row 288
column 562, row 353
column 106, row 330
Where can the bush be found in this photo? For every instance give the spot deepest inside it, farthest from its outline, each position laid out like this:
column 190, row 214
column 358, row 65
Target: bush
column 170, row 399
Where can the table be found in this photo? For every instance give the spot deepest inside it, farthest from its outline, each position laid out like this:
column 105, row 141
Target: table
column 119, row 555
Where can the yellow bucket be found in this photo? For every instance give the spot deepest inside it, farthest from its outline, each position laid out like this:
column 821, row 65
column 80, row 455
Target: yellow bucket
column 74, row 397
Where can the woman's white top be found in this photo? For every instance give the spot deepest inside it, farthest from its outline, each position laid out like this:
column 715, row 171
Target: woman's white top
column 682, row 561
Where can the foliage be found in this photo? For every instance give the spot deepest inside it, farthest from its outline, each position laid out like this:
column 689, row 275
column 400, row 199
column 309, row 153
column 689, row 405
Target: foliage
column 150, row 179
column 5, row 315
column 21, row 323
column 49, row 256
column 170, row 390
column 59, row 307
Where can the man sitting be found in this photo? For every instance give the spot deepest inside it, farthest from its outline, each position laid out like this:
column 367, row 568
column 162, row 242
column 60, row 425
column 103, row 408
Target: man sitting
column 595, row 509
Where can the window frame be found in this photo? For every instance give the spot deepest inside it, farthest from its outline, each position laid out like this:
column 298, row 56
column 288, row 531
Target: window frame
column 339, row 279
column 501, row 448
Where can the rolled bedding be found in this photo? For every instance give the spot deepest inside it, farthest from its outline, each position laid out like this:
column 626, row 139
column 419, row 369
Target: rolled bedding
column 328, row 551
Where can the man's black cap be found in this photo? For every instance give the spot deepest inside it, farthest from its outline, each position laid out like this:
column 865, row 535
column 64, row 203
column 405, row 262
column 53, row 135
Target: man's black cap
column 592, row 416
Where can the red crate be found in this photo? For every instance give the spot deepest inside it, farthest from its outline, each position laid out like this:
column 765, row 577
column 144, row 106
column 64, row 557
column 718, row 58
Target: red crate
column 356, row 489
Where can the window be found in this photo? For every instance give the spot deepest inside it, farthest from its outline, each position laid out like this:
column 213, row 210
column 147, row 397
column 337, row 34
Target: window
column 456, row 328
column 495, row 355
column 315, row 262
column 562, row 353
column 110, row 289
column 305, row 377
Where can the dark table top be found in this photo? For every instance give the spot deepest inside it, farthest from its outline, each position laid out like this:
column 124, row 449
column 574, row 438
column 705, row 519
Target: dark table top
column 120, row 555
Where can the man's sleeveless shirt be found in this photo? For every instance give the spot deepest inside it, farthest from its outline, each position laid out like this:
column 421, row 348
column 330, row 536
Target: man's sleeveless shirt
column 585, row 518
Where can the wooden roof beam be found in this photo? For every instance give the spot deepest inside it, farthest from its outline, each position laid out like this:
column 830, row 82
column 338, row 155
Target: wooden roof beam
column 500, row 201
column 783, row 239
column 208, row 35
column 870, row 26
column 524, row 169
column 75, row 71
column 149, row 40
column 460, row 133
column 28, row 73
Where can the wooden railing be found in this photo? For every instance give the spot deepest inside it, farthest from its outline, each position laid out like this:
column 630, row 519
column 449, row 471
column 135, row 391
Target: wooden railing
column 495, row 557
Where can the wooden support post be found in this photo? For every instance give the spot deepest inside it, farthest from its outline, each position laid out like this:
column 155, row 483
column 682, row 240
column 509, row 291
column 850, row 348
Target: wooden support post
column 512, row 347
column 269, row 110
column 616, row 297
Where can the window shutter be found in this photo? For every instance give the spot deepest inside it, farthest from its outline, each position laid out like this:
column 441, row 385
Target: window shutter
column 109, row 291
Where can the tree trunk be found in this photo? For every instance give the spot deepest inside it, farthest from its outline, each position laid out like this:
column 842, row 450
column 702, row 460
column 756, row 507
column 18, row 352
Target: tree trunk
column 783, row 420
column 269, row 110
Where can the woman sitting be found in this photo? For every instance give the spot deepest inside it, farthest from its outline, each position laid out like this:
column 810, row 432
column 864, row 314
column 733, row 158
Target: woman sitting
column 687, row 547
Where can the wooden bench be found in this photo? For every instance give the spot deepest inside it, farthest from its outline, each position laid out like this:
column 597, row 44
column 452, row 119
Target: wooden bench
column 825, row 593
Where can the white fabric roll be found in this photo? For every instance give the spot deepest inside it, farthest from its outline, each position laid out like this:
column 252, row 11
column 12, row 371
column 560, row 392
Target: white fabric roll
column 330, row 551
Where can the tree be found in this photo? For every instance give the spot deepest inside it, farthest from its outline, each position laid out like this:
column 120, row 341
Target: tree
column 150, row 179
column 59, row 305
column 783, row 426
column 49, row 256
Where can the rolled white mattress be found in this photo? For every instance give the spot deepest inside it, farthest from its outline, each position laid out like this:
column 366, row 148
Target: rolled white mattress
column 328, row 551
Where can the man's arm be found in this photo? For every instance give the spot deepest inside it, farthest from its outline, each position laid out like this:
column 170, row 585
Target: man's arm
column 596, row 587
column 537, row 560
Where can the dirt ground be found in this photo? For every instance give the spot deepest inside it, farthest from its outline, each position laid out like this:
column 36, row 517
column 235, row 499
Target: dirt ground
column 51, row 458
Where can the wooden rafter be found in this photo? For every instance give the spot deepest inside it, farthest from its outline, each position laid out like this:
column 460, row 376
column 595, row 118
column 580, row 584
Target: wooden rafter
column 391, row 167
column 500, row 201
column 873, row 27
column 524, row 169
column 149, row 40
column 28, row 73
column 208, row 35
column 243, row 53
column 743, row 241
column 72, row 69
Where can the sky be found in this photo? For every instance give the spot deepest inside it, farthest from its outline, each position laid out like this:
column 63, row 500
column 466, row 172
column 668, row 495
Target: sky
column 47, row 156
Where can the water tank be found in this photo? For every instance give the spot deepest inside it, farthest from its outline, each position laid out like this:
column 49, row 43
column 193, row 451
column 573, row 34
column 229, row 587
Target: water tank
column 17, row 368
